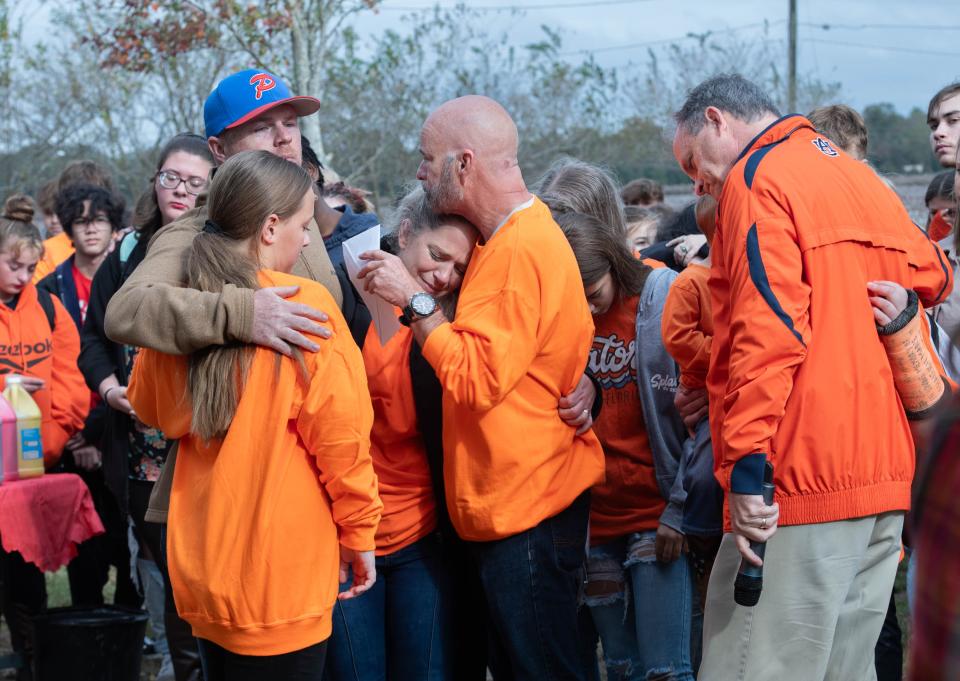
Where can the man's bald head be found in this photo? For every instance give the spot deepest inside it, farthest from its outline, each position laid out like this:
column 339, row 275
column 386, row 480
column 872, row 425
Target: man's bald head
column 469, row 168
column 476, row 123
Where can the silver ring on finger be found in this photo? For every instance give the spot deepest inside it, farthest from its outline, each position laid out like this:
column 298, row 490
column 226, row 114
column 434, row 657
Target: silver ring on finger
column 763, row 523
column 684, row 249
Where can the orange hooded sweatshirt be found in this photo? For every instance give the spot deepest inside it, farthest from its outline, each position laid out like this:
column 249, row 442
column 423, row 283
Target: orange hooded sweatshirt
column 520, row 341
column 256, row 518
column 30, row 348
column 798, row 373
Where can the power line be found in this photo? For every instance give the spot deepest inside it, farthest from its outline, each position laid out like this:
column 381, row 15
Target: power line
column 857, row 27
column 501, row 8
column 663, row 41
column 885, row 48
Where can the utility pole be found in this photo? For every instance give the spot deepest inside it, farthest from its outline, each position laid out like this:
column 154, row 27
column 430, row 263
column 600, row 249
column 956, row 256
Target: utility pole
column 792, row 59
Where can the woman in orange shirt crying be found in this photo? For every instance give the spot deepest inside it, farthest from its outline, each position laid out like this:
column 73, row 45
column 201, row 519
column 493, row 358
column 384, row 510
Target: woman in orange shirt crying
column 403, row 629
column 639, row 589
column 274, row 496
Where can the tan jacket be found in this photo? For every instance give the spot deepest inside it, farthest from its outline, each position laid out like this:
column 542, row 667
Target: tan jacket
column 153, row 309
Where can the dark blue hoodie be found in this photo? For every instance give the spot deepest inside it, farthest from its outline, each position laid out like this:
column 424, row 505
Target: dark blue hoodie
column 349, row 226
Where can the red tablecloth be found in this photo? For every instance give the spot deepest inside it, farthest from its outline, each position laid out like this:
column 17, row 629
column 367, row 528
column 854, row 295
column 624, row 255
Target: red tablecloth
column 45, row 518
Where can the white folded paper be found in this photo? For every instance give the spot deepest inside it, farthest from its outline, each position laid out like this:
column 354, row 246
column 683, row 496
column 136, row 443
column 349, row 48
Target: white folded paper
column 383, row 313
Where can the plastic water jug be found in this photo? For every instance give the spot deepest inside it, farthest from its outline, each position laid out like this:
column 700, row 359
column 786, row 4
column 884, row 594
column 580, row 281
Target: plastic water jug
column 29, row 446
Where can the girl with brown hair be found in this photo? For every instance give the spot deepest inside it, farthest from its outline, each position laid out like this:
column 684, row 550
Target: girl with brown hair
column 134, row 454
column 274, row 495
column 639, row 589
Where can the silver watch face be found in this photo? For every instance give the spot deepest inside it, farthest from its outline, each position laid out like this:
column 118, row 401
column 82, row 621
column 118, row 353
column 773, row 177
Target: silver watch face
column 423, row 304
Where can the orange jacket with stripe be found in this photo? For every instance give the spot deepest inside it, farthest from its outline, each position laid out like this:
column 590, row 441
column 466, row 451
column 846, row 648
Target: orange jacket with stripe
column 257, row 516
column 56, row 249
column 687, row 325
column 397, row 448
column 798, row 373
column 30, row 348
column 520, row 341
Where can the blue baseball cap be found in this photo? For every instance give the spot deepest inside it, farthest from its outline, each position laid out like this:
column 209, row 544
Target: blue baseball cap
column 246, row 95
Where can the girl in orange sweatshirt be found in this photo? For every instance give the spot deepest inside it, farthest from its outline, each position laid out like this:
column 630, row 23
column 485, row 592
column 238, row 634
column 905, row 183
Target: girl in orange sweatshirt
column 274, row 495
column 638, row 588
column 39, row 342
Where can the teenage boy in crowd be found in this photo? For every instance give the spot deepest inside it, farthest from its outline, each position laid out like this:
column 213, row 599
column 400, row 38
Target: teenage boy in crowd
column 943, row 117
column 787, row 385
column 90, row 216
column 58, row 247
column 518, row 476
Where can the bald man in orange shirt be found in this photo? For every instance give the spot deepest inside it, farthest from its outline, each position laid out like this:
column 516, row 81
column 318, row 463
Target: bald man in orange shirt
column 517, row 475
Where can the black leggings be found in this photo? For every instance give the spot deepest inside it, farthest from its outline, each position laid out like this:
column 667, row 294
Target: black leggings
column 220, row 664
column 183, row 646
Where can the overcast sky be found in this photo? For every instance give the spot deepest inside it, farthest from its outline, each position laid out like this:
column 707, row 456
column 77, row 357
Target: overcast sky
column 897, row 51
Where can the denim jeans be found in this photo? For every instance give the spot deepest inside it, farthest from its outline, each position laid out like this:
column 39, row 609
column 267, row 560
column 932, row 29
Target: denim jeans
column 399, row 629
column 642, row 609
column 219, row 664
column 531, row 581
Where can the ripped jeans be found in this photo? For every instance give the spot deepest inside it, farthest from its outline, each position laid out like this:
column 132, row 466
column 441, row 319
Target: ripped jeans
column 642, row 610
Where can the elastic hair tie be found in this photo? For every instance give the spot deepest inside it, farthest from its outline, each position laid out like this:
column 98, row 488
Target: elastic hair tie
column 211, row 227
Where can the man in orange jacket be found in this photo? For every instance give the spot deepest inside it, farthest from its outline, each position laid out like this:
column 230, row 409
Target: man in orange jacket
column 798, row 377
column 516, row 474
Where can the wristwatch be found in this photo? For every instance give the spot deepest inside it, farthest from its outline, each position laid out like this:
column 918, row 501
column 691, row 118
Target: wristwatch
column 421, row 305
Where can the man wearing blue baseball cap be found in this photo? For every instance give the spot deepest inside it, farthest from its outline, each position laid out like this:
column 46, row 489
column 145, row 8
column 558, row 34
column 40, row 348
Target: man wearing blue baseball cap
column 249, row 110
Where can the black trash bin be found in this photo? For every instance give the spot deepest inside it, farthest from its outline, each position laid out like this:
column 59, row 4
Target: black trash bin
column 88, row 644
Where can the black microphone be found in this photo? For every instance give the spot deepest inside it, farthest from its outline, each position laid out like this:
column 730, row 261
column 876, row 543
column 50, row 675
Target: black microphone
column 749, row 582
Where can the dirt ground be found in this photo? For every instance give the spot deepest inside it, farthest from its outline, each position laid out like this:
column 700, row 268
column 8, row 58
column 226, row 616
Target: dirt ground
column 58, row 594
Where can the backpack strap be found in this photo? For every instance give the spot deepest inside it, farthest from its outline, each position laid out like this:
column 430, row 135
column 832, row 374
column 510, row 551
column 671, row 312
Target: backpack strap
column 127, row 244
column 46, row 302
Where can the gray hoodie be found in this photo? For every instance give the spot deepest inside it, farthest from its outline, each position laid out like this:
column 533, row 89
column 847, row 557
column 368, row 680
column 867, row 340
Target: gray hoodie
column 657, row 379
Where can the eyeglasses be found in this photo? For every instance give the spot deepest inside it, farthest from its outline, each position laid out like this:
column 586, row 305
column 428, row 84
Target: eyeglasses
column 170, row 179
column 97, row 222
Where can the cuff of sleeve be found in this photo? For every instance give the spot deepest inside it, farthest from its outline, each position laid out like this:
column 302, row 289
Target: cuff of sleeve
column 904, row 318
column 747, row 474
column 672, row 517
column 359, row 539
column 435, row 343
column 240, row 327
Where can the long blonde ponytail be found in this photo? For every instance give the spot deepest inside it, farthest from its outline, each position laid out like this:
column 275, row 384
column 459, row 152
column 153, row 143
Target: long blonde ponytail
column 245, row 191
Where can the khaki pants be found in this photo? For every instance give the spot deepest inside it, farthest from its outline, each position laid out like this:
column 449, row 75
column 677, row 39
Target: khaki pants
column 826, row 588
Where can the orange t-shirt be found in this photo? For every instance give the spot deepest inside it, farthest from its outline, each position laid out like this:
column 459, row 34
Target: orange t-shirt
column 519, row 342
column 257, row 517
column 56, row 249
column 687, row 325
column 396, row 446
column 629, row 499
